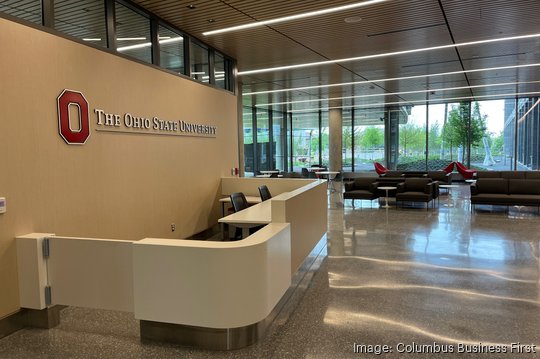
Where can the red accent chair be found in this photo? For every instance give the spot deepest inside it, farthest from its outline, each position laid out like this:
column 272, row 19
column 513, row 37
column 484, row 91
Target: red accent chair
column 464, row 171
column 379, row 168
column 448, row 169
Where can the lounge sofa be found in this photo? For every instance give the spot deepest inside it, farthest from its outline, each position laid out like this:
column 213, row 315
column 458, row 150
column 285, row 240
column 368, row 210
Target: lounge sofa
column 509, row 174
column 506, row 192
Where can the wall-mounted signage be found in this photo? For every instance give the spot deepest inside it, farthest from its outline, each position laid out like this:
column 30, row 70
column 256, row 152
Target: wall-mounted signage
column 119, row 123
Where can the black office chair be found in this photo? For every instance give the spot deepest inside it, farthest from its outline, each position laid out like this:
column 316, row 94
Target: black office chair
column 238, row 201
column 264, row 192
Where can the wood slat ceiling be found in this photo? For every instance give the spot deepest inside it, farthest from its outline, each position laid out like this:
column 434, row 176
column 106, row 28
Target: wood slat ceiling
column 393, row 25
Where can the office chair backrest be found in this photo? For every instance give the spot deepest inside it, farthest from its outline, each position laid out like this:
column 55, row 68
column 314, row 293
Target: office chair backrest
column 238, row 201
column 264, row 192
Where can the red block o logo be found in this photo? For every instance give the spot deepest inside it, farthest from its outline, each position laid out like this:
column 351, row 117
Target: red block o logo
column 65, row 100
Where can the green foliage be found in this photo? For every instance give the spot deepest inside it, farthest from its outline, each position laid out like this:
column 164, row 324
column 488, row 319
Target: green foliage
column 497, row 144
column 411, row 137
column 371, row 137
column 456, row 129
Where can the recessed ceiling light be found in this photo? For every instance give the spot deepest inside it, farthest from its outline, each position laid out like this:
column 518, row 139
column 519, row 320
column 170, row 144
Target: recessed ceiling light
column 352, row 19
column 294, row 17
column 211, row 20
column 387, row 54
column 191, row 6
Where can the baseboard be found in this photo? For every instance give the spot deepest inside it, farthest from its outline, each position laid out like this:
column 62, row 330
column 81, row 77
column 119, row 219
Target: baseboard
column 236, row 338
column 46, row 318
column 12, row 323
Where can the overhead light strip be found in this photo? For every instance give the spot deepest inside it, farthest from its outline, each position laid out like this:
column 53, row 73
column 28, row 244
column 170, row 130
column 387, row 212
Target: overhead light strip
column 389, row 79
column 398, row 93
column 506, row 95
column 148, row 44
column 395, row 53
column 293, row 17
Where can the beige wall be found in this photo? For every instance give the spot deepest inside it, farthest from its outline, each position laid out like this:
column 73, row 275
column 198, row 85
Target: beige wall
column 116, row 185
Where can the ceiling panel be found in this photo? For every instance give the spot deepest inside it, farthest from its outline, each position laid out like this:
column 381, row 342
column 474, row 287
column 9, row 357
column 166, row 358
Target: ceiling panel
column 394, row 25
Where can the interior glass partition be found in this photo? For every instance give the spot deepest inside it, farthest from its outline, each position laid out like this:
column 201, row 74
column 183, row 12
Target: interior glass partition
column 84, row 20
column 199, row 62
column 171, row 50
column 133, row 33
column 29, row 10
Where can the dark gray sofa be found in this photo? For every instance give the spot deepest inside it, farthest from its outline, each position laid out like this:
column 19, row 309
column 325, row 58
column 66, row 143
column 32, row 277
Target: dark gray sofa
column 506, row 192
column 508, row 174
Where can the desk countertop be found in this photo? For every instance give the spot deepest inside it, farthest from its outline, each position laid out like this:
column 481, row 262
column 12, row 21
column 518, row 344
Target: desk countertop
column 259, row 214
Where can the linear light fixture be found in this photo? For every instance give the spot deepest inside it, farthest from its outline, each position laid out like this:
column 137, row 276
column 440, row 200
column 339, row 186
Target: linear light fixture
column 293, row 17
column 398, row 93
column 506, row 95
column 368, row 57
column 148, row 44
column 133, row 47
column 389, row 79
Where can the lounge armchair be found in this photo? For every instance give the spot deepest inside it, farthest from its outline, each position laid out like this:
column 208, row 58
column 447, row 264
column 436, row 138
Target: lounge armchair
column 449, row 169
column 464, row 171
column 416, row 190
column 379, row 168
column 362, row 188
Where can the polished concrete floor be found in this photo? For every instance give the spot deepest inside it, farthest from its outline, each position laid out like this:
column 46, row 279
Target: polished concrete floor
column 418, row 281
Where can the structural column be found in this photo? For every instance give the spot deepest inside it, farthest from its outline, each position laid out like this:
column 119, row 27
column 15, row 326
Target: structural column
column 335, row 124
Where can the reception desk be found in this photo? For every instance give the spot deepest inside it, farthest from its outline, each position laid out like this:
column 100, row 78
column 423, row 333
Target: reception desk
column 214, row 295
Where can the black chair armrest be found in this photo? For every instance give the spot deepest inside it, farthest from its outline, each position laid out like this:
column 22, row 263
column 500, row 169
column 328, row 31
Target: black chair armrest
column 349, row 186
column 429, row 189
column 373, row 187
column 474, row 189
column 400, row 187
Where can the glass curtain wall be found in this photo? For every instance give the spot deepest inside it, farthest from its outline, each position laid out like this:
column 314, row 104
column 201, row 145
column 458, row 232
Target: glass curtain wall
column 487, row 151
column 324, row 140
column 249, row 146
column 279, row 127
column 368, row 138
column 347, row 140
column 305, row 140
column 412, row 140
column 482, row 135
column 528, row 134
column 264, row 146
